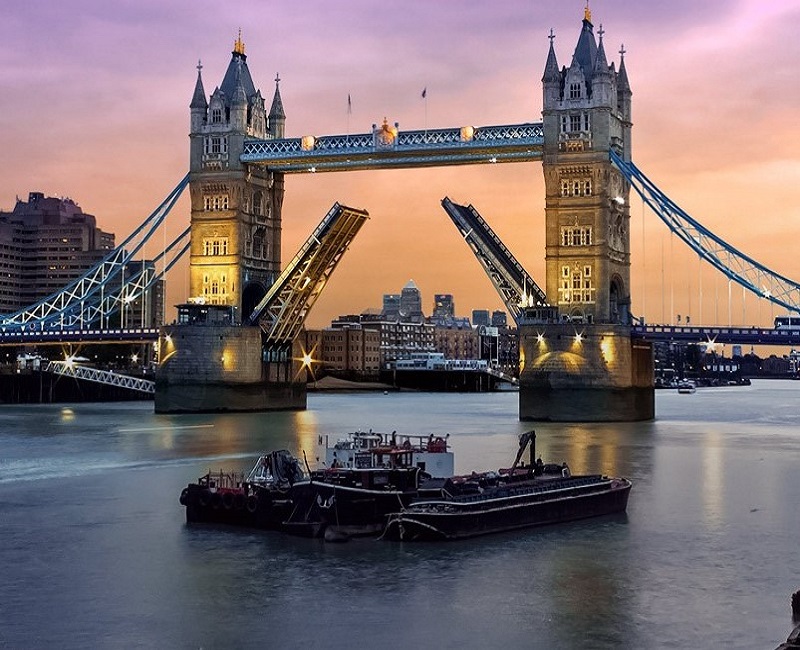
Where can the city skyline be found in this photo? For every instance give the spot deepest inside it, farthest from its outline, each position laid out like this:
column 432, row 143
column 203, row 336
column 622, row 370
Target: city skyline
column 96, row 108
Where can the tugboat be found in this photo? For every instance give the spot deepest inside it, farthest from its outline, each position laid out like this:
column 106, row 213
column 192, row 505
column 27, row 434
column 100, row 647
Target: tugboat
column 515, row 498
column 365, row 477
column 259, row 500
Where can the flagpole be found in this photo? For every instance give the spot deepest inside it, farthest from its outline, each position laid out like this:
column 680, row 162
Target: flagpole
column 349, row 111
column 425, row 97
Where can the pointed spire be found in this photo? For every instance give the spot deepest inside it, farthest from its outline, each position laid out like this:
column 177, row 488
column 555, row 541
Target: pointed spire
column 622, row 75
column 601, row 63
column 199, row 97
column 551, row 72
column 276, row 111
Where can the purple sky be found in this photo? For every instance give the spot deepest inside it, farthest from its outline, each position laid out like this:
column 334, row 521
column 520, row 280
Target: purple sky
column 95, row 95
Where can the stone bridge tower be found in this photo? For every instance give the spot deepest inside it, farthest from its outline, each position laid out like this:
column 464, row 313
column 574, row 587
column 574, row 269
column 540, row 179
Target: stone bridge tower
column 584, row 365
column 236, row 209
column 586, row 112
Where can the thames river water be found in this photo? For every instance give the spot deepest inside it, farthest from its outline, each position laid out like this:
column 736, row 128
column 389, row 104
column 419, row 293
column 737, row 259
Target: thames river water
column 95, row 551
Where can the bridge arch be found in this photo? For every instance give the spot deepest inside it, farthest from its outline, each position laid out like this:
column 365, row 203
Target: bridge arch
column 252, row 294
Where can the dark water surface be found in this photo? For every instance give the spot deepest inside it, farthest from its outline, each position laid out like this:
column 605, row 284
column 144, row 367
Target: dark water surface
column 94, row 551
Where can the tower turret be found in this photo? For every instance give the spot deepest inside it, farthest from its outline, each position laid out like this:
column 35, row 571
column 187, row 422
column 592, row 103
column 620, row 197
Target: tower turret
column 236, row 208
column 277, row 118
column 551, row 80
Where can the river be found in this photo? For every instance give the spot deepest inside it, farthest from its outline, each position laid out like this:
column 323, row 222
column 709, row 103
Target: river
column 95, row 552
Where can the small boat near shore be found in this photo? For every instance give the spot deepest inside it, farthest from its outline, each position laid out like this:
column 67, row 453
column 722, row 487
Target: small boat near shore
column 535, row 495
column 687, row 387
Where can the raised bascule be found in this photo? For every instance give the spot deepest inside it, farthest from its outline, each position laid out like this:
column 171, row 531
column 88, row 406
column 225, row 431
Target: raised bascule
column 234, row 345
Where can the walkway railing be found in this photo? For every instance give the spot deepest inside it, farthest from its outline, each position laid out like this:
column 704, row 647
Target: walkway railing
column 101, row 376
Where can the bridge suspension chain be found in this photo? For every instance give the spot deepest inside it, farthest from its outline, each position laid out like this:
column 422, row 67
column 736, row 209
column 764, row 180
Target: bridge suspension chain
column 726, row 258
column 86, row 298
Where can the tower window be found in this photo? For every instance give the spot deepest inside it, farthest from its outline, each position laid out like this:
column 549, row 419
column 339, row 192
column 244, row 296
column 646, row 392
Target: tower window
column 574, row 123
column 215, row 202
column 215, row 246
column 575, row 286
column 216, row 116
column 576, row 236
column 575, row 91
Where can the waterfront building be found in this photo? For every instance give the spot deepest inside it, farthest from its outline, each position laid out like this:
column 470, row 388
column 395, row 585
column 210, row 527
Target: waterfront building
column 46, row 243
column 351, row 349
column 457, row 339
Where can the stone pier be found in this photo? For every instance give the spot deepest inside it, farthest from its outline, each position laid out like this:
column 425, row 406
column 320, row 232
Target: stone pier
column 585, row 373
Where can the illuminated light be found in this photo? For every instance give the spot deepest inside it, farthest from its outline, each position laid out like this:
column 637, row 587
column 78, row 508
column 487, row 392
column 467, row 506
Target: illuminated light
column 307, row 142
column 767, row 293
column 312, row 169
column 467, row 133
column 134, row 358
column 578, row 337
column 307, row 360
column 540, row 338
column 70, row 361
column 619, row 200
column 168, row 338
column 493, row 159
column 607, row 349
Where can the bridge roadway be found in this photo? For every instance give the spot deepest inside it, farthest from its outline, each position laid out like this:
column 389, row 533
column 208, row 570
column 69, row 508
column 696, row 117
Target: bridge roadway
column 717, row 335
column 387, row 147
column 57, row 337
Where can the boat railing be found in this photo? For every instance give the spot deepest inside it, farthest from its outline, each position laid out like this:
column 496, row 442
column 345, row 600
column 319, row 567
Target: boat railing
column 222, row 481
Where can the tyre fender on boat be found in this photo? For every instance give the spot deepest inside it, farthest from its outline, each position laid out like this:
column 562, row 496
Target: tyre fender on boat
column 252, row 503
column 238, row 501
column 205, row 498
column 184, row 498
column 216, row 500
column 227, row 500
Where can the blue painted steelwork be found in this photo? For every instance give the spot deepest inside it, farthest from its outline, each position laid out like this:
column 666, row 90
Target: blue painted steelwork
column 104, row 289
column 716, row 335
column 726, row 258
column 389, row 148
column 101, row 376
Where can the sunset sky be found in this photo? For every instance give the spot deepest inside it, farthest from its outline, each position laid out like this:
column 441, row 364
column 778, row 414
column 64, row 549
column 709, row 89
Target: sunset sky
column 95, row 106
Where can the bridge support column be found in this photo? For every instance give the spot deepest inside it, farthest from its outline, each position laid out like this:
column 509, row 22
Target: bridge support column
column 585, row 373
column 211, row 368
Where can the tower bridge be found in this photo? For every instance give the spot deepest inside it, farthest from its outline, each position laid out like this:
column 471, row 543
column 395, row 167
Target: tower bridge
column 582, row 357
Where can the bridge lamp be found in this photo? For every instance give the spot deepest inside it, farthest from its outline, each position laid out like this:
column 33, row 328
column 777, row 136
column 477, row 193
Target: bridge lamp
column 307, row 360
column 307, row 142
column 134, row 358
column 312, row 169
column 168, row 338
column 540, row 338
column 619, row 200
column 578, row 337
column 467, row 133
column 767, row 293
column 493, row 159
column 70, row 361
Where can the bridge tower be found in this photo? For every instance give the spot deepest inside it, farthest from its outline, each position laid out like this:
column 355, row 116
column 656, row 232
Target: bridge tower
column 209, row 360
column 236, row 208
column 584, row 366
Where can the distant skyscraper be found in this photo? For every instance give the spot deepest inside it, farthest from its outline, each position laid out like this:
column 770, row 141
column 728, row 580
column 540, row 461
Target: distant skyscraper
column 411, row 303
column 391, row 306
column 480, row 317
column 443, row 306
column 499, row 318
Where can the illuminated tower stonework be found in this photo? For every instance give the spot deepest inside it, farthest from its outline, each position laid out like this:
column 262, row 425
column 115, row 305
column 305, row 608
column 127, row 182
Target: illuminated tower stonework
column 236, row 209
column 578, row 362
column 587, row 112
